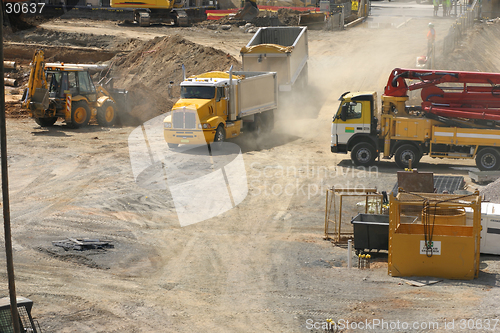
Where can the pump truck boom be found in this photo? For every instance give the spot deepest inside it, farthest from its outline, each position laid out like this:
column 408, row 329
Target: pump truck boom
column 218, row 105
column 56, row 90
column 459, row 117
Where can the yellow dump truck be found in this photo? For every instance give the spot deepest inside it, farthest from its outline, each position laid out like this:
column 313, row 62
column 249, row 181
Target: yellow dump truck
column 459, row 118
column 219, row 105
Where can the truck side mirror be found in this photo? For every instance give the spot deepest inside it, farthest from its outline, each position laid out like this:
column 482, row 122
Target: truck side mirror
column 343, row 112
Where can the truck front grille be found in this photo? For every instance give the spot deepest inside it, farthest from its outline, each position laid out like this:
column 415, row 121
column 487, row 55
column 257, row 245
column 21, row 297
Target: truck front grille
column 184, row 120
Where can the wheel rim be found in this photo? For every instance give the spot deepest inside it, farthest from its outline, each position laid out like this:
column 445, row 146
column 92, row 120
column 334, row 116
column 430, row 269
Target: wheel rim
column 488, row 161
column 220, row 135
column 363, row 155
column 406, row 156
column 109, row 114
column 80, row 115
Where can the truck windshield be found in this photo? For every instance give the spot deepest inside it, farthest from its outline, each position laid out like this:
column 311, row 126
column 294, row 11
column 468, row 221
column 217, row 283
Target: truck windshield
column 197, row 92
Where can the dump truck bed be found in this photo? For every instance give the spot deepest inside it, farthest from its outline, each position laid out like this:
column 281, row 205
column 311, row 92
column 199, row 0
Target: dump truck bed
column 256, row 93
column 278, row 49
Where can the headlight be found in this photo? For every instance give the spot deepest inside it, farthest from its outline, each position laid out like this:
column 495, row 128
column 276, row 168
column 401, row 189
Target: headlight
column 167, row 125
column 204, row 126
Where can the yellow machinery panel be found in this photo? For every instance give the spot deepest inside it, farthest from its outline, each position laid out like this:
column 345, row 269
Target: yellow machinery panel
column 411, row 128
column 434, row 245
column 465, row 136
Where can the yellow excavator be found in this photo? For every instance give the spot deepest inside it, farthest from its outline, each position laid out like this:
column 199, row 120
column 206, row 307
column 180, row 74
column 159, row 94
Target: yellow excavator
column 177, row 12
column 67, row 91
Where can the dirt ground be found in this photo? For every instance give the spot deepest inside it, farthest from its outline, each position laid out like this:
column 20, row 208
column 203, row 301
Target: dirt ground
column 263, row 266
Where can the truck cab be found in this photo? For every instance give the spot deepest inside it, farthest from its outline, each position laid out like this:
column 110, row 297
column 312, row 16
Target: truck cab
column 354, row 127
column 201, row 114
column 217, row 105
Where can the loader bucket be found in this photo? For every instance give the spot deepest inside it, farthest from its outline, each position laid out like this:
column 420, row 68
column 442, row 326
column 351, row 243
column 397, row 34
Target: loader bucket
column 248, row 12
column 121, row 98
column 312, row 20
column 40, row 99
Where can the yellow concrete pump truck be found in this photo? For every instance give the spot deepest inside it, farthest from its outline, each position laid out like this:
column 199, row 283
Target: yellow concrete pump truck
column 459, row 117
column 218, row 105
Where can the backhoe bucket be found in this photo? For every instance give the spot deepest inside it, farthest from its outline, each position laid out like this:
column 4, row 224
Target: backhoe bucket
column 40, row 99
column 249, row 12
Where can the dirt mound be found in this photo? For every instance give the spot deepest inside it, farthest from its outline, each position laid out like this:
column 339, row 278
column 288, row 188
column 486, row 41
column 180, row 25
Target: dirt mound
column 40, row 35
column 147, row 71
column 491, row 191
column 284, row 17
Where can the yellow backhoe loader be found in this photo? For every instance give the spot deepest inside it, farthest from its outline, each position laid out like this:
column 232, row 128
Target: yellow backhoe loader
column 67, row 92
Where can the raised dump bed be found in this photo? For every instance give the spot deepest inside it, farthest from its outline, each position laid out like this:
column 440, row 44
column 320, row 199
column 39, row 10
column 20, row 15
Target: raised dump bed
column 283, row 50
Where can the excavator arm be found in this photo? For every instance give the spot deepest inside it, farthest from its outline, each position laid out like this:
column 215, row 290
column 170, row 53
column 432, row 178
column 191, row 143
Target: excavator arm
column 248, row 12
column 36, row 94
column 472, row 95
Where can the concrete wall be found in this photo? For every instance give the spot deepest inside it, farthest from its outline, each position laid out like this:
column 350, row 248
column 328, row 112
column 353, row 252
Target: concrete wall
column 490, row 8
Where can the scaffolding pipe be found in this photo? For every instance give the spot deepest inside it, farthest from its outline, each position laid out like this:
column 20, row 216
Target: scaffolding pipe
column 5, row 196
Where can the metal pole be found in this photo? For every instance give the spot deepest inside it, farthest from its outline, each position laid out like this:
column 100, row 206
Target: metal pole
column 5, row 194
column 349, row 253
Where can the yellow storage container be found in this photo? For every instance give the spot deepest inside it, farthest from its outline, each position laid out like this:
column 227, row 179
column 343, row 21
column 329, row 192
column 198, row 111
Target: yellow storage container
column 440, row 244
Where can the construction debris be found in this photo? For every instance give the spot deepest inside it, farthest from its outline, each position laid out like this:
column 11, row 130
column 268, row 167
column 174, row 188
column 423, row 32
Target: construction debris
column 81, row 244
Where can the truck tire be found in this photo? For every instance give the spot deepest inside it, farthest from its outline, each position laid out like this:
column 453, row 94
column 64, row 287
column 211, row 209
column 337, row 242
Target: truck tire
column 268, row 120
column 106, row 114
column 258, row 126
column 488, row 159
column 173, row 145
column 219, row 138
column 405, row 153
column 80, row 114
column 46, row 122
column 363, row 154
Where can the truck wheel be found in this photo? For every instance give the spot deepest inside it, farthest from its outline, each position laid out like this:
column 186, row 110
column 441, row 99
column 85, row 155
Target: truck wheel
column 46, row 122
column 106, row 114
column 220, row 137
column 404, row 154
column 363, row 154
column 173, row 145
column 80, row 114
column 257, row 127
column 268, row 120
column 488, row 159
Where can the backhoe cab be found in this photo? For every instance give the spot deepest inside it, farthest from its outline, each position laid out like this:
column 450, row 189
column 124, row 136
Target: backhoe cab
column 60, row 91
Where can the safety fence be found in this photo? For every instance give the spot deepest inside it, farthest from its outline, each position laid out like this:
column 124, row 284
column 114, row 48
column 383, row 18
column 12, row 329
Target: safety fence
column 466, row 15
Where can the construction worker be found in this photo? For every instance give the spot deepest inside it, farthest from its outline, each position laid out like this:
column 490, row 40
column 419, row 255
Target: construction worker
column 431, row 37
column 446, row 7
column 436, row 6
